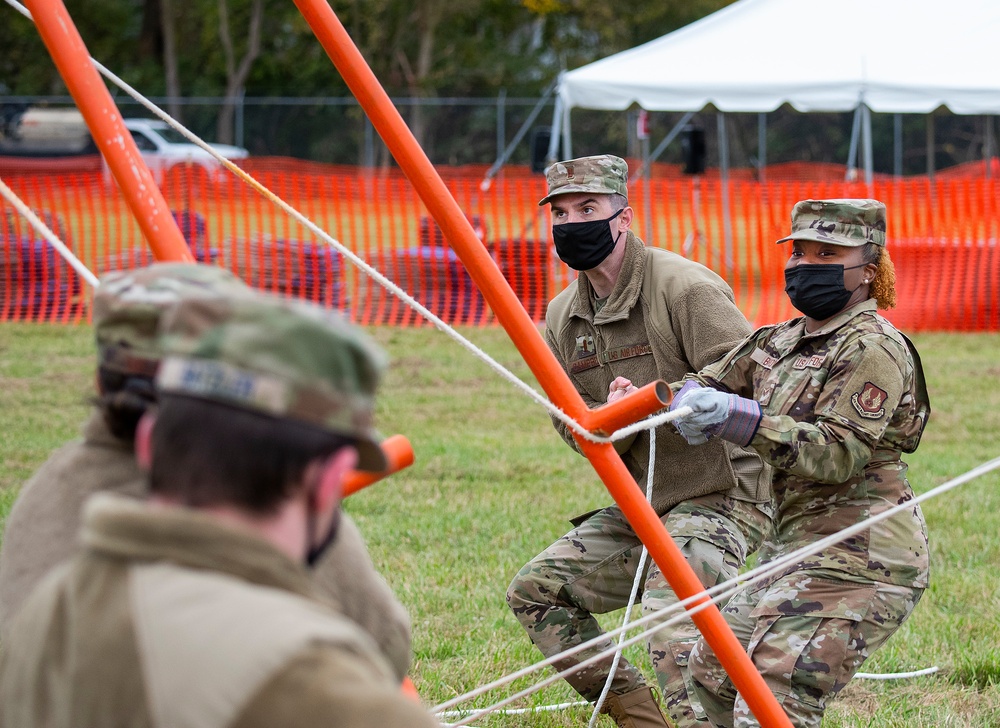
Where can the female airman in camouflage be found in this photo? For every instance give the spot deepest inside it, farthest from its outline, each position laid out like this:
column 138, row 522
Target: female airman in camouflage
column 830, row 400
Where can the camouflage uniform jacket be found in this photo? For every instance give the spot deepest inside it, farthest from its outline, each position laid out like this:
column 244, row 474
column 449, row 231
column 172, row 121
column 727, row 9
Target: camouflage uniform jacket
column 839, row 406
column 169, row 618
column 665, row 317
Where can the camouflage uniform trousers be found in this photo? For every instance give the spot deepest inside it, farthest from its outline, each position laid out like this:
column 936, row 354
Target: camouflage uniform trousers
column 591, row 570
column 807, row 633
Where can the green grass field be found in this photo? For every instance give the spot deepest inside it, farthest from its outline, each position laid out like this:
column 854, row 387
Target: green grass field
column 493, row 484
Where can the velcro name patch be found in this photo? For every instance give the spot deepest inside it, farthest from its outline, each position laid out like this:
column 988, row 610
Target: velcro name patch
column 216, row 380
column 763, row 358
column 809, row 362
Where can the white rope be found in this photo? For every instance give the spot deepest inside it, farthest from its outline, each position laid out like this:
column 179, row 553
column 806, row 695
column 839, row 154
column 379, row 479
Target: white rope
column 581, row 703
column 521, row 711
column 39, row 225
column 719, row 592
column 895, row 675
column 635, row 588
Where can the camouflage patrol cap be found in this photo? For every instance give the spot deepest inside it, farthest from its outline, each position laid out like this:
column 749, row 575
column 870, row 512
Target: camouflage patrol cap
column 840, row 222
column 279, row 357
column 128, row 306
column 603, row 174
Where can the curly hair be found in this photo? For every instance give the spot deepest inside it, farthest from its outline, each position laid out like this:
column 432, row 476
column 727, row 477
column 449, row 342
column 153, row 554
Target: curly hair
column 883, row 285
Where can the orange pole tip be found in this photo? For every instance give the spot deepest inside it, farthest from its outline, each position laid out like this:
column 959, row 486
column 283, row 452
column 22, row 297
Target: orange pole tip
column 409, row 690
column 629, row 409
column 398, row 451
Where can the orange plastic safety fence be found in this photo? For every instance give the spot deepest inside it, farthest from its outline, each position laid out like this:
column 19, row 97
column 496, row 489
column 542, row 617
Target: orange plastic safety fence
column 943, row 238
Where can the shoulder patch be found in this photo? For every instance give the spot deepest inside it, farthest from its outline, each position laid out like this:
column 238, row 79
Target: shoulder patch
column 868, row 402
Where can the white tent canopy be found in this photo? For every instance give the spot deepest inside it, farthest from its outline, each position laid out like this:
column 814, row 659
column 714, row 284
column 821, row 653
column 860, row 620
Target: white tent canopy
column 893, row 56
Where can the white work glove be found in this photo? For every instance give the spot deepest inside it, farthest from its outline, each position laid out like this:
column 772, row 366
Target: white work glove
column 715, row 414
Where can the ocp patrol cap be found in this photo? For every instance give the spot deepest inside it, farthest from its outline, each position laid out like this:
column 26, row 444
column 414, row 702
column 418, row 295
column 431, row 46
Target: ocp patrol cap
column 128, row 306
column 279, row 357
column 840, row 222
column 603, row 174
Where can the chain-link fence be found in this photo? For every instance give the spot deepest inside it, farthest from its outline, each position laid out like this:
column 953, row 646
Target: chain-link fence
column 468, row 130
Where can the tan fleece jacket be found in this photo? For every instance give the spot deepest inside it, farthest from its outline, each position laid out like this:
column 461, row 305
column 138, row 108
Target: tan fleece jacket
column 169, row 619
column 665, row 317
column 41, row 533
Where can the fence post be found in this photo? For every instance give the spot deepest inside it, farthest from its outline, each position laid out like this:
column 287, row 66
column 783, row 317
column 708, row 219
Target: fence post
column 501, row 121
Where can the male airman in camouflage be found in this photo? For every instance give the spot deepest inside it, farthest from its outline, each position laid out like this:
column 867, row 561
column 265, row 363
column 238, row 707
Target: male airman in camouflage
column 635, row 315
column 195, row 607
column 41, row 530
column 830, row 400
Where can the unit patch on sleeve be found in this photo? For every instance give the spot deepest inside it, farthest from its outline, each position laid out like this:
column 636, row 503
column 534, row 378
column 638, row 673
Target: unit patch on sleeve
column 868, row 402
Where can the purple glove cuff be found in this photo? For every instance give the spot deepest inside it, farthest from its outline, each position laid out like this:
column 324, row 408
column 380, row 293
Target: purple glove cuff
column 742, row 422
column 676, row 402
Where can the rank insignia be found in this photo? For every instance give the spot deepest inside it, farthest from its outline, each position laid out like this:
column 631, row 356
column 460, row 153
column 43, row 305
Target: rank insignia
column 868, row 402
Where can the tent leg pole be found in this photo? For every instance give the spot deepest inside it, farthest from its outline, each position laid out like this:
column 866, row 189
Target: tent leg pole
column 866, row 116
column 930, row 146
column 988, row 143
column 671, row 135
column 852, row 153
column 647, row 198
column 761, row 147
column 567, row 134
column 897, row 145
column 553, row 154
column 727, row 220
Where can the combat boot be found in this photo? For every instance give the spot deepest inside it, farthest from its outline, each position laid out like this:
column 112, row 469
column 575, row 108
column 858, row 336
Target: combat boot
column 636, row 709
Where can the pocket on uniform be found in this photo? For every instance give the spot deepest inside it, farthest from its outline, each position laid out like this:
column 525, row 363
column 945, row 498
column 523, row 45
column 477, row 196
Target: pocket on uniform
column 803, row 635
column 683, row 689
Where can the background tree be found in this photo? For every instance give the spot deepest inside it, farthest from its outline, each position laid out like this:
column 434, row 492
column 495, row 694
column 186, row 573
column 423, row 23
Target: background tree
column 236, row 72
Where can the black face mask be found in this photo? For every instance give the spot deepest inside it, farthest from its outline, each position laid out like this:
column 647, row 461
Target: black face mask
column 818, row 290
column 585, row 245
column 316, row 550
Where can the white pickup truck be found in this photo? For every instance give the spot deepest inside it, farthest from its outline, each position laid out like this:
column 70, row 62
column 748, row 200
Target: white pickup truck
column 49, row 133
column 163, row 147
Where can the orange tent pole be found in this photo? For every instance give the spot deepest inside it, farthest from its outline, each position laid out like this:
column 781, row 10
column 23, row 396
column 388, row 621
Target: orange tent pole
column 511, row 314
column 105, row 123
column 398, row 451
